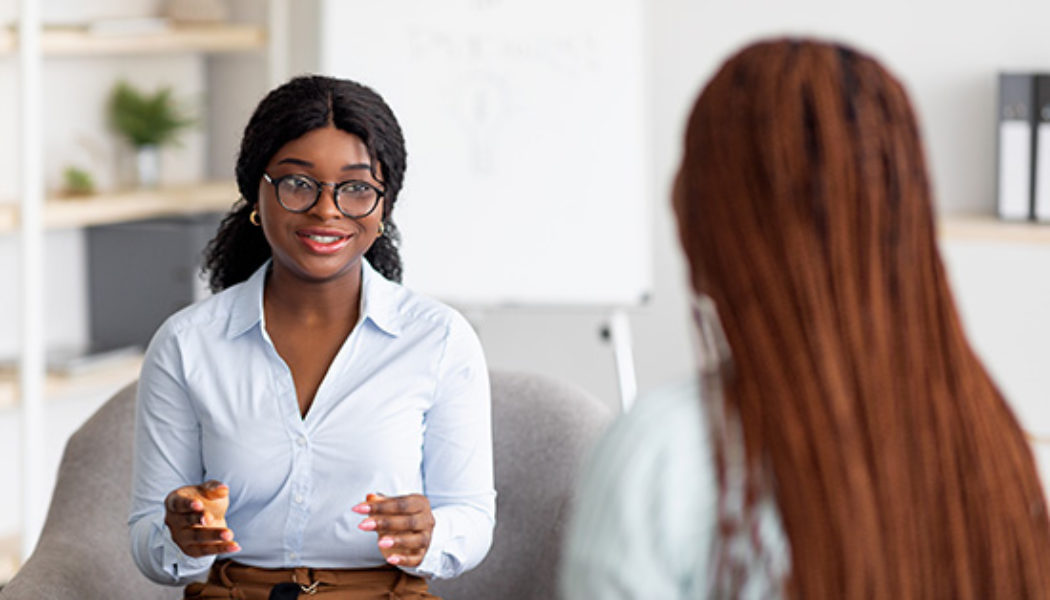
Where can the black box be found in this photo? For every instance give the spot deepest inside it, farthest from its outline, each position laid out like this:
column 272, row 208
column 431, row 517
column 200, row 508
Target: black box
column 140, row 272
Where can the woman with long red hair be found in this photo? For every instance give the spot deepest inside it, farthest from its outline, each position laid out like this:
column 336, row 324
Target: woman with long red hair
column 850, row 443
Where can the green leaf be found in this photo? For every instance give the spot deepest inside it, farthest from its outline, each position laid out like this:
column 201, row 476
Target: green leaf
column 146, row 119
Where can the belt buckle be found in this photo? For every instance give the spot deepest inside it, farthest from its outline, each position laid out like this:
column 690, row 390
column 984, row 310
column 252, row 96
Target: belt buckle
column 309, row 590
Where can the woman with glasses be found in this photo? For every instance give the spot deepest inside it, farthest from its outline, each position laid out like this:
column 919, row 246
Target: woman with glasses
column 314, row 427
column 843, row 439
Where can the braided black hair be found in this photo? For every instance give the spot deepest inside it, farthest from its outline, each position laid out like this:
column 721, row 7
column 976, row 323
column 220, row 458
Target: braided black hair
column 289, row 112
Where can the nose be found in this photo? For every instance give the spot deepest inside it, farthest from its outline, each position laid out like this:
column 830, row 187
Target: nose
column 326, row 207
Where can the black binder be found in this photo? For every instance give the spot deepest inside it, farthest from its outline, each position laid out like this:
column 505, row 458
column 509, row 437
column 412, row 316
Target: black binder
column 1041, row 158
column 1016, row 145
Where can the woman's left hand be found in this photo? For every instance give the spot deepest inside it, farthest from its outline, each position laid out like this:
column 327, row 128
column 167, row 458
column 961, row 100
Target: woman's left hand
column 404, row 525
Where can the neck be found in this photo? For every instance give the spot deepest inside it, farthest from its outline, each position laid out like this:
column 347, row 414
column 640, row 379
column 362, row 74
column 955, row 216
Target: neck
column 313, row 302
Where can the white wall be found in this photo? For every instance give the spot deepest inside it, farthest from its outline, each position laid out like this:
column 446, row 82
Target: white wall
column 946, row 53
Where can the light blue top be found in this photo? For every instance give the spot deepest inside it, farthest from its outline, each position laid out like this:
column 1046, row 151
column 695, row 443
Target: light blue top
column 645, row 515
column 404, row 408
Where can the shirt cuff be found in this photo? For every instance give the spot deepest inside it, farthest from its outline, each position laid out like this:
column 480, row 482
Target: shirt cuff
column 434, row 561
column 179, row 565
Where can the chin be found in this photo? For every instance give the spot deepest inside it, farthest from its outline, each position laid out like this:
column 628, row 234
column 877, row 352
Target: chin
column 327, row 270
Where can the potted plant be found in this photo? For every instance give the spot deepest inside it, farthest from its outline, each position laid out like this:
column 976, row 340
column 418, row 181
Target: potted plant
column 147, row 121
column 77, row 182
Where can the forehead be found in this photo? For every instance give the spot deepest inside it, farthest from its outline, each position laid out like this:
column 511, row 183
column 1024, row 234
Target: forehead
column 326, row 144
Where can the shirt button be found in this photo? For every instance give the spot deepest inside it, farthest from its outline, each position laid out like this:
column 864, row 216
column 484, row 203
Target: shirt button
column 293, row 555
column 301, row 441
column 298, row 498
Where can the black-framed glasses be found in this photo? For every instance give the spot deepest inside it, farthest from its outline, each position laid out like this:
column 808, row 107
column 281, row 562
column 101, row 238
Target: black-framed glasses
column 299, row 193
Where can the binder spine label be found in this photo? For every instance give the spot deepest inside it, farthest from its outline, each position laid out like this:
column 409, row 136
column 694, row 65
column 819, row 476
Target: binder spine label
column 1042, row 173
column 1015, row 156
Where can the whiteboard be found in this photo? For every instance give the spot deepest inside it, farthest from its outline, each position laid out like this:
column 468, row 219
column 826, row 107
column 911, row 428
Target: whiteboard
column 529, row 177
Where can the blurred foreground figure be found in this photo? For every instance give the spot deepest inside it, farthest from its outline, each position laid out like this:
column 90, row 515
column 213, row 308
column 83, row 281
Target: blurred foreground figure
column 842, row 440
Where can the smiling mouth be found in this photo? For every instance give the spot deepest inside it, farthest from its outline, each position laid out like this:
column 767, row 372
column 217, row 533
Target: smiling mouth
column 324, row 243
column 324, row 239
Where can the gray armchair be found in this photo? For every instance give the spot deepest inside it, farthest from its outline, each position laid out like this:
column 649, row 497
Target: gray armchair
column 541, row 428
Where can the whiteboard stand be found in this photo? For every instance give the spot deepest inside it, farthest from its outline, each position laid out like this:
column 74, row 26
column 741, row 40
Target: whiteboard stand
column 618, row 333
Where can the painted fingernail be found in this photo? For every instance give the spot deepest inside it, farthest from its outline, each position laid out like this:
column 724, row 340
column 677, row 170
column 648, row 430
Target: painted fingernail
column 368, row 525
column 235, row 547
column 196, row 505
column 387, row 542
column 362, row 508
column 394, row 559
column 227, row 535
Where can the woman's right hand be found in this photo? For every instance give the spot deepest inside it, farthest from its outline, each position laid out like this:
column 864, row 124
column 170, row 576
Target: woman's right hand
column 196, row 517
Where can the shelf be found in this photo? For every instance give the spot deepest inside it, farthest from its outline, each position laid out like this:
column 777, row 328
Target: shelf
column 113, row 374
column 128, row 206
column 987, row 228
column 9, row 563
column 60, row 41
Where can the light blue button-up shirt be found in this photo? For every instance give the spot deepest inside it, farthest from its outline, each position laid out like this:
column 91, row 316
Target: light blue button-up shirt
column 404, row 408
column 645, row 517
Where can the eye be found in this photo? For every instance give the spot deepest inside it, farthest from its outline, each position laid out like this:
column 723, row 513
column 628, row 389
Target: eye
column 356, row 188
column 297, row 183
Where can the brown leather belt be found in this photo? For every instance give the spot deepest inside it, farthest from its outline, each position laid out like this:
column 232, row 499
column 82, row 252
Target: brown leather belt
column 247, row 582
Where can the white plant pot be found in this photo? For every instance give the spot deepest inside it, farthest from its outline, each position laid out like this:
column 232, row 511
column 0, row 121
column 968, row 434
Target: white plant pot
column 198, row 11
column 147, row 164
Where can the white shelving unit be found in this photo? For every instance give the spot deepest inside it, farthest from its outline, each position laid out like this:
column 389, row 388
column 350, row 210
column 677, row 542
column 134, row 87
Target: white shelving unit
column 25, row 388
column 31, row 363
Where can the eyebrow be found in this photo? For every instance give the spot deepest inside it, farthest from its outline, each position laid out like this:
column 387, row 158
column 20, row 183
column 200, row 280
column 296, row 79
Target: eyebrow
column 306, row 163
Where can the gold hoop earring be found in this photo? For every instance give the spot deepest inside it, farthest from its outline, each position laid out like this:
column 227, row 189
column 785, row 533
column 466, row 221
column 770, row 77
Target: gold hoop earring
column 382, row 229
column 254, row 218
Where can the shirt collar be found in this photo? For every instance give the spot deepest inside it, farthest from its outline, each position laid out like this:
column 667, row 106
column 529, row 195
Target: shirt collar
column 378, row 301
column 247, row 309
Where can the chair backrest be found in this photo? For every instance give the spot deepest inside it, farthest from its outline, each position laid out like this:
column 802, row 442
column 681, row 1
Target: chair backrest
column 541, row 428
column 83, row 548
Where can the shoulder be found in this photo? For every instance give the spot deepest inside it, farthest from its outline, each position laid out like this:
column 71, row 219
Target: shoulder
column 646, row 499
column 399, row 309
column 207, row 317
column 425, row 325
column 416, row 307
column 663, row 431
column 417, row 313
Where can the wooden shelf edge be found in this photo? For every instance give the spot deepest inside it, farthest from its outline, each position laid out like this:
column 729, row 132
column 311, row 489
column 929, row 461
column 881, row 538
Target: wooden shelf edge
column 113, row 375
column 8, row 218
column 66, row 213
column 988, row 228
column 10, row 562
column 55, row 41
